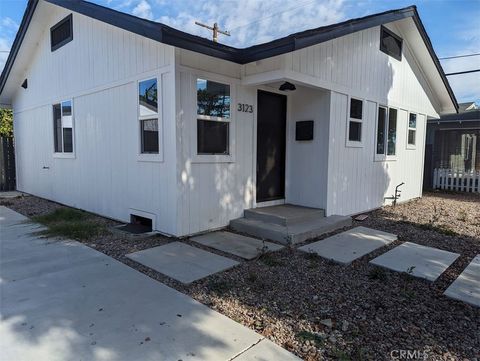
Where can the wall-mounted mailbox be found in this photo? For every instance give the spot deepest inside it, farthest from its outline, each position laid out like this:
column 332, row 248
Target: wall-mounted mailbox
column 304, row 130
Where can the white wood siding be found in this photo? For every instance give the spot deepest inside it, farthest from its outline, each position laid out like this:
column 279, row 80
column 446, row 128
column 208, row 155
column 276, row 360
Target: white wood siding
column 307, row 161
column 356, row 182
column 187, row 194
column 353, row 64
column 99, row 55
column 211, row 193
column 99, row 70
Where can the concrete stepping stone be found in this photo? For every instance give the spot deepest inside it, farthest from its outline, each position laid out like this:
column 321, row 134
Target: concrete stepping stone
column 241, row 246
column 419, row 261
column 182, row 262
column 466, row 287
column 347, row 246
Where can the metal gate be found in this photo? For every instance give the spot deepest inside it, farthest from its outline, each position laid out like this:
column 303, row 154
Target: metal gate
column 7, row 164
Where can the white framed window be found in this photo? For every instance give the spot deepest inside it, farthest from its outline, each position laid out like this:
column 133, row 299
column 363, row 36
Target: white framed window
column 355, row 123
column 386, row 133
column 63, row 133
column 148, row 114
column 213, row 117
column 412, row 131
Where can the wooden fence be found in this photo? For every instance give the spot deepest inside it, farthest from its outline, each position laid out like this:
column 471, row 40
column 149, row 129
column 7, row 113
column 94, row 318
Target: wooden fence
column 7, row 164
column 454, row 180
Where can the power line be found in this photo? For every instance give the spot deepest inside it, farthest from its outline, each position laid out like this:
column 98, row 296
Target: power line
column 272, row 15
column 463, row 72
column 459, row 56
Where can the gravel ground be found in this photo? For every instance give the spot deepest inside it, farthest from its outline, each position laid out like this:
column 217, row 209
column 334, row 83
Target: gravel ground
column 321, row 310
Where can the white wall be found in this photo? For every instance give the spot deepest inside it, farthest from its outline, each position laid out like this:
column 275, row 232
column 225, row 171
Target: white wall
column 353, row 64
column 307, row 161
column 356, row 182
column 99, row 70
column 212, row 190
column 186, row 193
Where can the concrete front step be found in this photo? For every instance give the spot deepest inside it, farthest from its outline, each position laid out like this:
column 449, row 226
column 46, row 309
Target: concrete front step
column 291, row 234
column 284, row 215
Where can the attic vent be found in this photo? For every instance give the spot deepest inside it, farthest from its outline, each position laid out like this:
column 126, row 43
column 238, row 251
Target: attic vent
column 391, row 43
column 61, row 33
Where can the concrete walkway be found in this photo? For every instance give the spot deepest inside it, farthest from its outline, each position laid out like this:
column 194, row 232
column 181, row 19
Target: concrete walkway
column 61, row 300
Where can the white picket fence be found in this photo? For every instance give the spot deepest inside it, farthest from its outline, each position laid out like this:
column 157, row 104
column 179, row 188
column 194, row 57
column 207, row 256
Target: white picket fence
column 454, row 180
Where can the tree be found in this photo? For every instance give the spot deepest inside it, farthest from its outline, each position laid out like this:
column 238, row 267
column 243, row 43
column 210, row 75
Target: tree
column 6, row 123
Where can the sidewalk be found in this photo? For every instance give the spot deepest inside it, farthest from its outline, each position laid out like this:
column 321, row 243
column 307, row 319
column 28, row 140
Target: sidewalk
column 61, row 300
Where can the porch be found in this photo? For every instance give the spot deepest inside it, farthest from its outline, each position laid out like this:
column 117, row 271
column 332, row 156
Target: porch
column 287, row 223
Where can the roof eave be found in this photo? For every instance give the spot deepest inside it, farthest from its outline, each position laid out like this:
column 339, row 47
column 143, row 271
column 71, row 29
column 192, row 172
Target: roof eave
column 177, row 38
column 27, row 17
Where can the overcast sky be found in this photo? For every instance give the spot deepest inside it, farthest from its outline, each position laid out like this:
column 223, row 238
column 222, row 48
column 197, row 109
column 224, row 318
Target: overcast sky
column 453, row 25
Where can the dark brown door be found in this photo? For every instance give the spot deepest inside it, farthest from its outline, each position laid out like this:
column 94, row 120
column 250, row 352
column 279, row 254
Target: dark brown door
column 271, row 133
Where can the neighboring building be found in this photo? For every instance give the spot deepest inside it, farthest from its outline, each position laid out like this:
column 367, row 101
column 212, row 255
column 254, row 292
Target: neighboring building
column 453, row 143
column 122, row 116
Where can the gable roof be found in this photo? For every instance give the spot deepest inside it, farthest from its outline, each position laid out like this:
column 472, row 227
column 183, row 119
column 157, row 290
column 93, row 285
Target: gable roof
column 168, row 35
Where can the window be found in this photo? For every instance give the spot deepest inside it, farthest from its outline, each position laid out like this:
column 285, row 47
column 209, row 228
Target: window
column 63, row 127
column 382, row 120
column 390, row 43
column 355, row 121
column 392, row 132
column 213, row 117
column 61, row 33
column 412, row 130
column 148, row 116
column 386, row 138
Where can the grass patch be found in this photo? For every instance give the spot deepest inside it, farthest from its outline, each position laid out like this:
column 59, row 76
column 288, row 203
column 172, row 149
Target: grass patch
column 310, row 336
column 61, row 215
column 70, row 223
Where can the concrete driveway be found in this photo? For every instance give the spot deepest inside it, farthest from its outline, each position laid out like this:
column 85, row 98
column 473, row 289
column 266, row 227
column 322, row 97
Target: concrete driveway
column 61, row 300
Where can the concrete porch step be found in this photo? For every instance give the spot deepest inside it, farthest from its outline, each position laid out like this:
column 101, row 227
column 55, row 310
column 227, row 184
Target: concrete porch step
column 290, row 234
column 284, row 215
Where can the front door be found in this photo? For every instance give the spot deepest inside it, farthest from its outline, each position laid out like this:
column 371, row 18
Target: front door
column 271, row 134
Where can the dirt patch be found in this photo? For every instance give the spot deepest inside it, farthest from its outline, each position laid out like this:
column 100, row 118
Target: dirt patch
column 322, row 310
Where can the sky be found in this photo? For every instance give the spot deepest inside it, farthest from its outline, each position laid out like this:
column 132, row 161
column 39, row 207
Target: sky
column 453, row 25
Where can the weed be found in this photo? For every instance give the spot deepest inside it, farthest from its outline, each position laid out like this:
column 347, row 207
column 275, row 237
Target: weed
column 377, row 273
column 360, row 354
column 252, row 277
column 220, row 287
column 74, row 230
column 70, row 223
column 462, row 215
column 269, row 260
column 310, row 336
column 340, row 355
column 312, row 256
column 61, row 215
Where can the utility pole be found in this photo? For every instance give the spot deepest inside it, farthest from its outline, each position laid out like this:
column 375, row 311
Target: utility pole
column 215, row 30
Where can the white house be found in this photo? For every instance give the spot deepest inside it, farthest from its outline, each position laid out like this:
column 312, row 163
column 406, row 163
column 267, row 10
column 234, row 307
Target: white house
column 126, row 117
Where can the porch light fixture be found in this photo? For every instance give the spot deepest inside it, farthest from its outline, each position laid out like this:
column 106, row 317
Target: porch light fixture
column 287, row 87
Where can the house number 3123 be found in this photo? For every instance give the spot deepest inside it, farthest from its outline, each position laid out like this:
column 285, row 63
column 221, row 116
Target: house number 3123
column 246, row 108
